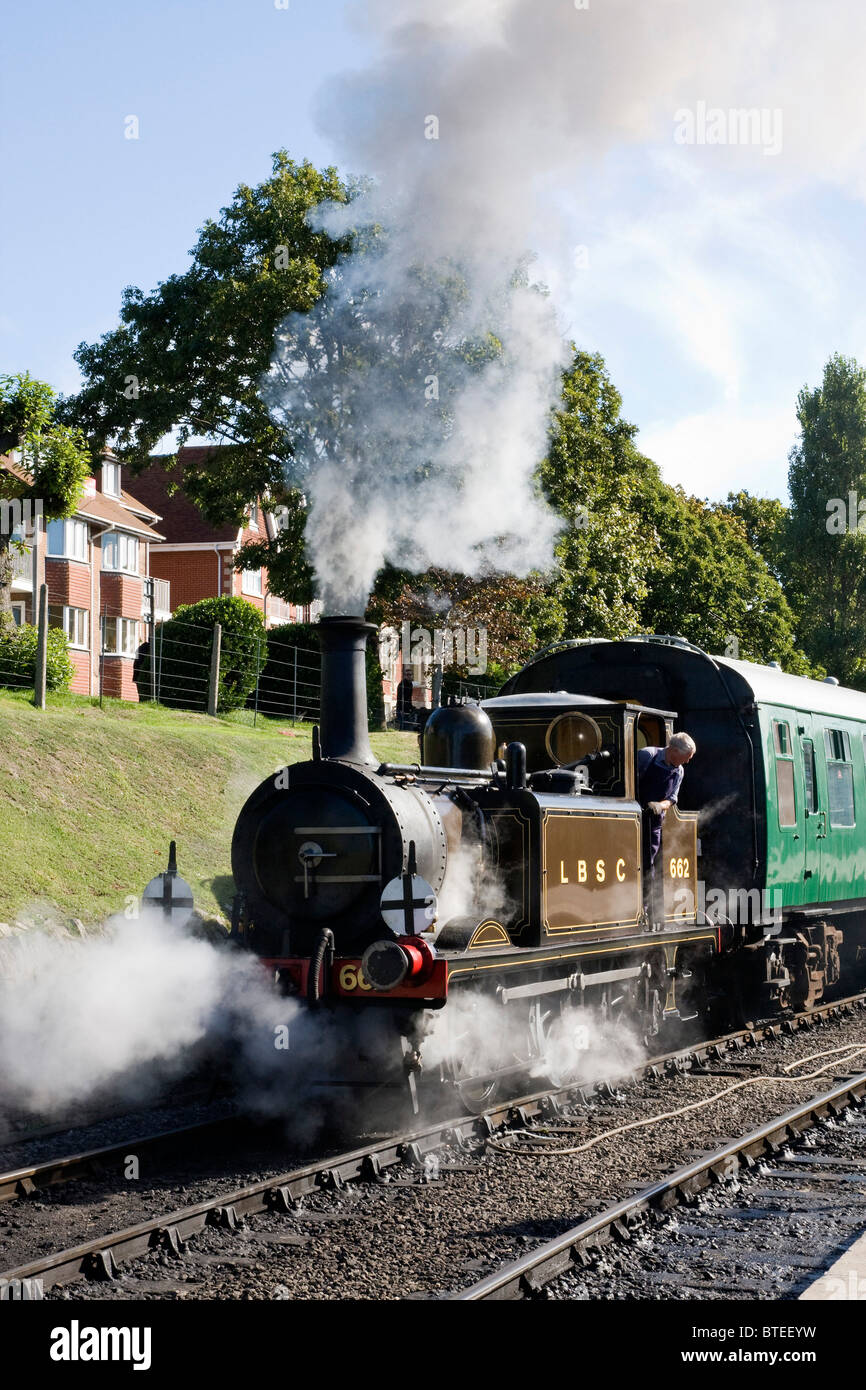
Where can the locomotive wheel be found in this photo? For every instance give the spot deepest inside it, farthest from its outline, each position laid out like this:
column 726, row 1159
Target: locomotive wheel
column 472, row 1057
column 557, row 1039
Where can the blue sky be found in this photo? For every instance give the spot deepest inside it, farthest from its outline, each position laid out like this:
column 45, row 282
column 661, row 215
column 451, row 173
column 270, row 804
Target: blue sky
column 717, row 280
column 217, row 85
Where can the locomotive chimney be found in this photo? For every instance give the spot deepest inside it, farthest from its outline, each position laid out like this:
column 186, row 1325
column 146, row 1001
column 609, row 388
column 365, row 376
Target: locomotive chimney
column 344, row 689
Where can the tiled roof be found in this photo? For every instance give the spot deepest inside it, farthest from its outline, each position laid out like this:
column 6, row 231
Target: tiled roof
column 125, row 514
column 8, row 464
column 180, row 518
column 140, row 508
column 106, row 509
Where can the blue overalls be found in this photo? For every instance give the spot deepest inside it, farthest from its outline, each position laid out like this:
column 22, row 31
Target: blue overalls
column 658, row 782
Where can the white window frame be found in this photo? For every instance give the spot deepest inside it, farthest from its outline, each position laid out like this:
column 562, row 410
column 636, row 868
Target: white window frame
column 72, row 529
column 254, row 516
column 125, row 632
column 249, row 580
column 111, row 470
column 74, row 623
column 19, row 609
column 118, row 544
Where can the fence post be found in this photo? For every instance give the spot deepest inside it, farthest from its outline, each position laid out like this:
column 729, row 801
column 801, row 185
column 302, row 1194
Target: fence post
column 213, row 688
column 158, row 694
column 40, row 682
column 258, row 673
column 295, row 691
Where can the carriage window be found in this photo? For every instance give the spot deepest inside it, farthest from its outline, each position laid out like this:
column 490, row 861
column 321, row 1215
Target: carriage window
column 840, row 777
column 782, row 737
column 571, row 737
column 809, row 775
column 785, row 796
column 837, row 745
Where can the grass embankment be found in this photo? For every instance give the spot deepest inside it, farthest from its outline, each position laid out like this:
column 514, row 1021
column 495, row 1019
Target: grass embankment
column 90, row 797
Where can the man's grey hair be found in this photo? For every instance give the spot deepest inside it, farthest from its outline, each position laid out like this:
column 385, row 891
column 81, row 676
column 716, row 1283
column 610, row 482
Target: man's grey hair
column 684, row 743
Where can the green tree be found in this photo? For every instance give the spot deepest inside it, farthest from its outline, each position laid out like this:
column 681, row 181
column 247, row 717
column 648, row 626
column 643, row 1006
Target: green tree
column 592, row 476
column 189, row 358
column 637, row 555
column 766, row 522
column 518, row 615
column 54, row 462
column 708, row 584
column 176, row 669
column 827, row 565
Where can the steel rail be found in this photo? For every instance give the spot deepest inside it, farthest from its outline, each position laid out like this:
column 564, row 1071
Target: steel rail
column 100, row 1256
column 526, row 1276
column 516, row 1111
column 24, row 1182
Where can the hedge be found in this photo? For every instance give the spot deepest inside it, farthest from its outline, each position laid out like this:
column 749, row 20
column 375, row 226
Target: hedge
column 181, row 655
column 18, row 658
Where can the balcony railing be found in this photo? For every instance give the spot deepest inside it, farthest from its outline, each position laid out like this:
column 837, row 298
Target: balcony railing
column 155, row 600
column 22, row 569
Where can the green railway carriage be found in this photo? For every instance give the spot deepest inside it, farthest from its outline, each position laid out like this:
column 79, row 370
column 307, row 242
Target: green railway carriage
column 779, row 782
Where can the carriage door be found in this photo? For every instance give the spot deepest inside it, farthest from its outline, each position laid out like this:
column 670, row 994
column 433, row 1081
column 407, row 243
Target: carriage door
column 815, row 813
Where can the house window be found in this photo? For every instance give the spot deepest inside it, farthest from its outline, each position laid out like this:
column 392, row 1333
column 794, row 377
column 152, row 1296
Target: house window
column 73, row 621
column 251, row 582
column 18, row 614
column 254, row 516
column 120, row 552
column 840, row 777
column 67, row 540
column 119, row 636
column 111, row 479
column 785, row 795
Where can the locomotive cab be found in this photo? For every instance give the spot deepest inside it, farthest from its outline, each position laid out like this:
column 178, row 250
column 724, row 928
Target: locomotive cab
column 603, row 738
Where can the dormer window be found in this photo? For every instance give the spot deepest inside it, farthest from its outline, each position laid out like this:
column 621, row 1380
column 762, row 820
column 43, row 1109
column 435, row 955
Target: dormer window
column 254, row 516
column 111, row 479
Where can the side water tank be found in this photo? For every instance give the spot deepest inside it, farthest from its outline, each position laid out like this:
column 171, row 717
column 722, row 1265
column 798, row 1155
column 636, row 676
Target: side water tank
column 459, row 736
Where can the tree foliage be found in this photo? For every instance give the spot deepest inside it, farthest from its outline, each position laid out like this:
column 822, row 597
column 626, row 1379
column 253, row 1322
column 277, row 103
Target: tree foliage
column 826, row 547
column 176, row 668
column 189, row 358
column 53, row 455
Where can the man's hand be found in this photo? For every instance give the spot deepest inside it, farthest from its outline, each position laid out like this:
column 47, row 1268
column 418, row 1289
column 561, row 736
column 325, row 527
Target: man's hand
column 658, row 807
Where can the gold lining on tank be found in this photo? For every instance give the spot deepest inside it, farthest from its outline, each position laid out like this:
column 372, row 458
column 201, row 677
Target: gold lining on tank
column 489, row 933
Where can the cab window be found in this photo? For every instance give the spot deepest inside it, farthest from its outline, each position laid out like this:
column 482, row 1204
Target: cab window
column 840, row 777
column 785, row 795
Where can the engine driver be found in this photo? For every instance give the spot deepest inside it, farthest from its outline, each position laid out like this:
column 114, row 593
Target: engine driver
column 660, row 774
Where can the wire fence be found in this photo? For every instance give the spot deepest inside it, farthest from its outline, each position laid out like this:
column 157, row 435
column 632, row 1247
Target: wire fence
column 193, row 666
column 204, row 668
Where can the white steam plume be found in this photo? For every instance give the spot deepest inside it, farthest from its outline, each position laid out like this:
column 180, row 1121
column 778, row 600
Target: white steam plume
column 485, row 125
column 572, row 1046
column 119, row 1013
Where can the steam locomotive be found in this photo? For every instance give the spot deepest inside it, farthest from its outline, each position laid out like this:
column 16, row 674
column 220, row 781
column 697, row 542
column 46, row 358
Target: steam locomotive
column 509, row 869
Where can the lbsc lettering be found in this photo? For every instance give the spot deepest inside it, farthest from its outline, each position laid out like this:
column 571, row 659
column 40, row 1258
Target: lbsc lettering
column 584, row 872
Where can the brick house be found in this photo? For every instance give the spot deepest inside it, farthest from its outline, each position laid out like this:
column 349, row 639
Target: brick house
column 196, row 557
column 96, row 565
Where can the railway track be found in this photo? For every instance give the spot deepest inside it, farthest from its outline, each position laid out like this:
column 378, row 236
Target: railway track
column 411, row 1157
column 770, row 1192
column 27, row 1179
column 36, row 1177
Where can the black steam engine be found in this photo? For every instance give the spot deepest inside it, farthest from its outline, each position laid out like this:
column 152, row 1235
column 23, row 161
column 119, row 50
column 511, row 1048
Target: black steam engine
column 506, row 870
